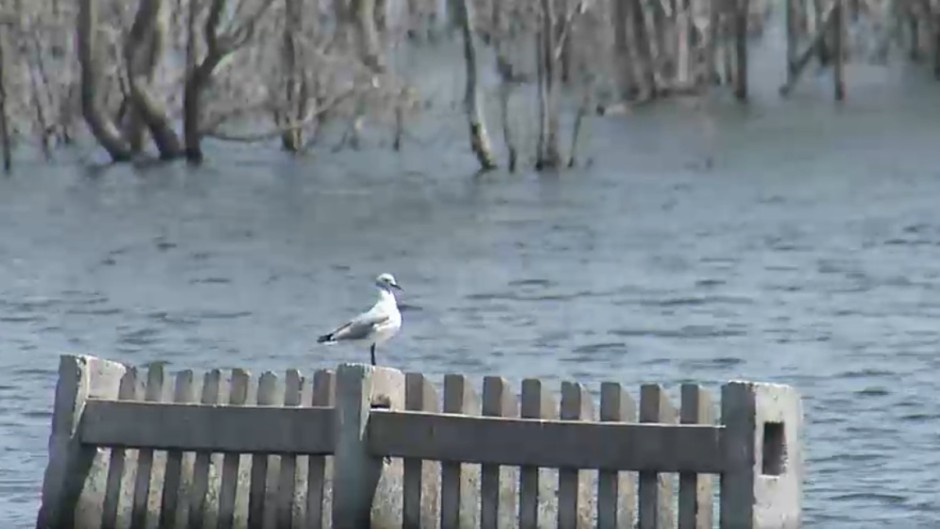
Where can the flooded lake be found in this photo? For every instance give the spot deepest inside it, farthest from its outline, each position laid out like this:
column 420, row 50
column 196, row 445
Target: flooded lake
column 807, row 253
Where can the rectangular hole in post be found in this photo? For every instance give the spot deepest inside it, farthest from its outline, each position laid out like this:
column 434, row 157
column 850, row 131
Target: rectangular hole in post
column 775, row 456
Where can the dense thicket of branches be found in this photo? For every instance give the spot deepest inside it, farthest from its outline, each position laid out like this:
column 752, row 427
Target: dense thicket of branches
column 157, row 77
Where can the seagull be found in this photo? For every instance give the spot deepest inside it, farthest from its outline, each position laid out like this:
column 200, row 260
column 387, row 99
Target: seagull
column 375, row 326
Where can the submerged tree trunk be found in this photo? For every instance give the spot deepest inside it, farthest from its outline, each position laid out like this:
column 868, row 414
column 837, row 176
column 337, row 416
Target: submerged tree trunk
column 295, row 80
column 5, row 140
column 198, row 78
column 643, row 55
column 740, row 49
column 37, row 72
column 838, row 38
column 626, row 83
column 683, row 27
column 368, row 35
column 504, row 70
column 549, row 156
column 711, row 42
column 196, row 83
column 143, row 50
column 101, row 126
column 479, row 139
column 823, row 47
column 793, row 36
column 505, row 91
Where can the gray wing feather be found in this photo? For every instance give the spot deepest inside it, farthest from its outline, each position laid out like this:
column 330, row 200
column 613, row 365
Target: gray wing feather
column 359, row 327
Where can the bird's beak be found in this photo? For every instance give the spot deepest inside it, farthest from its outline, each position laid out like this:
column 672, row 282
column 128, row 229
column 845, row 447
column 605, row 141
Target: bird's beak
column 396, row 286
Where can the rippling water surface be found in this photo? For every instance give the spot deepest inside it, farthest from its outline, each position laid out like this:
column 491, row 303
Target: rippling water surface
column 808, row 253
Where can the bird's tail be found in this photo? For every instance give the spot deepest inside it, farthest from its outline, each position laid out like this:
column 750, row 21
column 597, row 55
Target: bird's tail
column 326, row 338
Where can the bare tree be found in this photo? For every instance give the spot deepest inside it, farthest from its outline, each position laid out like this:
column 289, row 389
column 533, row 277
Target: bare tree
column 218, row 47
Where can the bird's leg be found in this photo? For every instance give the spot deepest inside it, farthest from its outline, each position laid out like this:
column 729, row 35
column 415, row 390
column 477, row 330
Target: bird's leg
column 372, row 353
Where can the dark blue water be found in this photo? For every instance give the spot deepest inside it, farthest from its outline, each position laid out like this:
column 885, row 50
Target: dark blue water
column 808, row 254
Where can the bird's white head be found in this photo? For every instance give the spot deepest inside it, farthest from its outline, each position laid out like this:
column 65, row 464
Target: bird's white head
column 387, row 282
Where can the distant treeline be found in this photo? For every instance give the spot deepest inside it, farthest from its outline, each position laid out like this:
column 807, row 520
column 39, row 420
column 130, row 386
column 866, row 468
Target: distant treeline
column 153, row 78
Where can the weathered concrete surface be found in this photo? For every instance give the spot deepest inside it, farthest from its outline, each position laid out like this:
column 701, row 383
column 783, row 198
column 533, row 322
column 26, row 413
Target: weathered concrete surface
column 778, row 498
column 762, row 485
column 80, row 378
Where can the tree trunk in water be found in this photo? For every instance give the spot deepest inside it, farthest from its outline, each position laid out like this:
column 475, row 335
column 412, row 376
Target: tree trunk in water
column 143, row 50
column 740, row 49
column 199, row 75
column 823, row 48
column 479, row 139
column 504, row 70
column 103, row 129
column 292, row 139
column 541, row 97
column 838, row 54
column 369, row 53
column 505, row 90
column 191, row 110
column 627, row 83
column 196, row 83
column 711, row 43
column 550, row 156
column 793, row 36
column 37, row 72
column 646, row 79
column 727, row 44
column 578, row 122
column 5, row 139
column 663, row 44
column 683, row 25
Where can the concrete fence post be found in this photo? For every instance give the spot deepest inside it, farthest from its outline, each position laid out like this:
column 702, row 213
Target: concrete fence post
column 762, row 485
column 367, row 490
column 80, row 378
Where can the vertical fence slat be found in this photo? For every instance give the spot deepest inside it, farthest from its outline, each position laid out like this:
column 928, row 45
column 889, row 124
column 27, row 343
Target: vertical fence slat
column 458, row 398
column 288, row 470
column 616, row 406
column 497, row 402
column 656, row 502
column 267, row 385
column 419, row 396
column 536, row 404
column 324, row 386
column 153, row 393
column 169, row 504
column 112, row 494
column 238, row 394
column 200, row 486
column 574, row 498
column 695, row 490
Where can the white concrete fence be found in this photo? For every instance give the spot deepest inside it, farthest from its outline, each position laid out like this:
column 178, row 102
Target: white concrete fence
column 368, row 447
